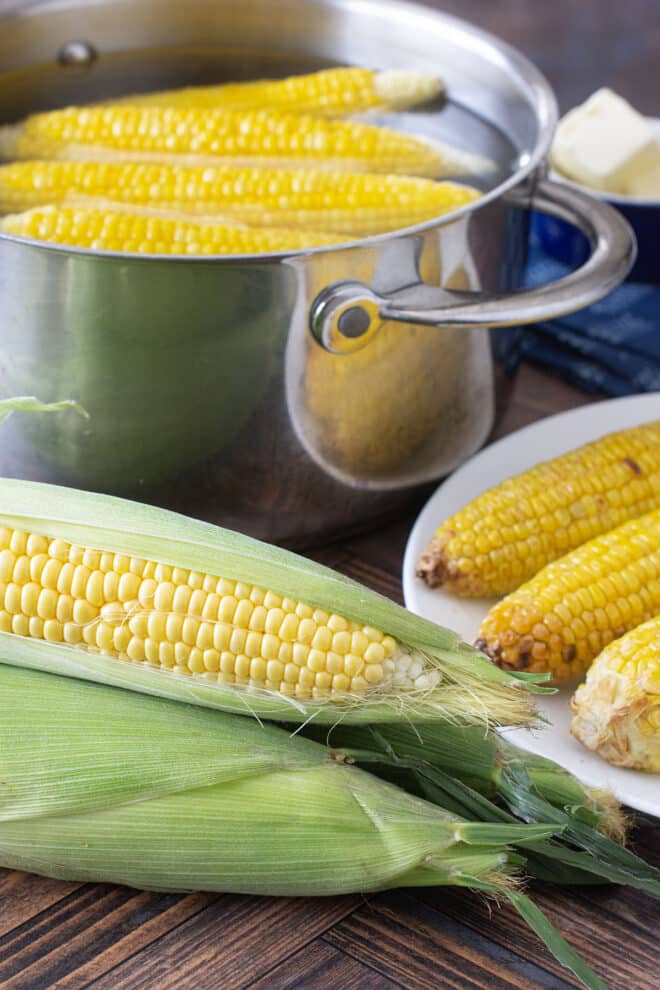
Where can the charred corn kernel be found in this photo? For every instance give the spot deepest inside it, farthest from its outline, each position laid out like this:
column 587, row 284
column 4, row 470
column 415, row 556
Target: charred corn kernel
column 330, row 92
column 338, row 203
column 213, row 137
column 623, row 566
column 505, row 536
column 616, row 712
column 109, row 228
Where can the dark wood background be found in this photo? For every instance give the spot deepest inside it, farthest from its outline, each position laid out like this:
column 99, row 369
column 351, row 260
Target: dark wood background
column 73, row 936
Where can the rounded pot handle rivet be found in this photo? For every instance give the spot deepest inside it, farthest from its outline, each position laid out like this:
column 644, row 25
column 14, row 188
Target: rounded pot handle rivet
column 344, row 316
column 77, row 53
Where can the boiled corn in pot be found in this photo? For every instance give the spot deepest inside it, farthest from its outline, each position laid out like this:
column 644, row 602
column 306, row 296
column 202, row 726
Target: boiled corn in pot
column 204, row 385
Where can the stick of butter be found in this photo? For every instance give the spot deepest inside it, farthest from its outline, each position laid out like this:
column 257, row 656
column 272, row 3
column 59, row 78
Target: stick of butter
column 605, row 144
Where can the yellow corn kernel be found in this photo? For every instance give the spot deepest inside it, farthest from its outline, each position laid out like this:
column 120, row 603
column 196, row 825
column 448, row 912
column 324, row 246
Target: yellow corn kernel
column 212, row 137
column 609, row 566
column 20, row 625
column 109, row 227
column 508, row 534
column 154, row 615
column 342, row 203
column 330, row 92
column 616, row 712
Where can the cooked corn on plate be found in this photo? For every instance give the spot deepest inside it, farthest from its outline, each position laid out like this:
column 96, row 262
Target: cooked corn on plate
column 133, row 595
column 215, row 137
column 336, row 202
column 616, row 712
column 330, row 92
column 561, row 619
column 505, row 536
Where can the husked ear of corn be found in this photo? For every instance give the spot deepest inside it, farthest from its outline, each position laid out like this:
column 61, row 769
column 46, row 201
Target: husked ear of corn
column 330, row 92
column 505, row 536
column 108, row 227
column 560, row 620
column 111, row 590
column 336, row 202
column 213, row 137
column 616, row 712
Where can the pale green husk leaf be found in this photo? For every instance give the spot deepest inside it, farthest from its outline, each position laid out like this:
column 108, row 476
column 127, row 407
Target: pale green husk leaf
column 98, row 784
column 104, row 785
column 30, row 404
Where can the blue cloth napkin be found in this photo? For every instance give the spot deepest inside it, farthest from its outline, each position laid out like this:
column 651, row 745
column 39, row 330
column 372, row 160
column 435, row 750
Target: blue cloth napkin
column 611, row 347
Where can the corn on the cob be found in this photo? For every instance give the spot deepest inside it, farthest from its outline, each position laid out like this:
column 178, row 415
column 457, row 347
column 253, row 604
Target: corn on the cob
column 340, row 202
column 255, row 811
column 119, row 799
column 330, row 92
column 213, row 137
column 203, row 613
column 129, row 230
column 561, row 619
column 505, row 536
column 616, row 712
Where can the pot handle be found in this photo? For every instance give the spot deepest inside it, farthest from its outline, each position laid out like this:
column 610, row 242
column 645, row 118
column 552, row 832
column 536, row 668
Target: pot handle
column 345, row 315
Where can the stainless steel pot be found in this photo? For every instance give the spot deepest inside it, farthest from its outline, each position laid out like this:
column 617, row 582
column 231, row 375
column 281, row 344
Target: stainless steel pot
column 290, row 396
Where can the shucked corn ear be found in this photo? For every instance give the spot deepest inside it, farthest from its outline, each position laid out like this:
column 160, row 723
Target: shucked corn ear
column 616, row 712
column 108, row 227
column 214, row 137
column 505, row 536
column 330, row 92
column 219, row 803
column 560, row 620
column 111, row 590
column 341, row 202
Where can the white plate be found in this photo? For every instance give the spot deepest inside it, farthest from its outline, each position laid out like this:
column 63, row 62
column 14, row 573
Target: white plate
column 515, row 453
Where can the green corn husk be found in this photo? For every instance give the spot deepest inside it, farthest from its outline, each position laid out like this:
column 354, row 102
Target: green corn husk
column 472, row 689
column 30, row 404
column 98, row 784
column 109, row 785
column 478, row 774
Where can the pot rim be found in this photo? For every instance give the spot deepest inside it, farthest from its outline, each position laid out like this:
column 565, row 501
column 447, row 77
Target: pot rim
column 542, row 99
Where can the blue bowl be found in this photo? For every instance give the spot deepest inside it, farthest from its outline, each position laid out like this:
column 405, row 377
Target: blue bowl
column 568, row 244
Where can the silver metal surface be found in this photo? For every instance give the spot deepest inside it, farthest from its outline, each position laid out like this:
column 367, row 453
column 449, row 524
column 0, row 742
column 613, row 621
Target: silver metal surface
column 205, row 388
column 76, row 53
column 348, row 312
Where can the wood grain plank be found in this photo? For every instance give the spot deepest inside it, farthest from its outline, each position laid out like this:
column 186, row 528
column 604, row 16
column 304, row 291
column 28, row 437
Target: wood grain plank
column 232, row 942
column 323, row 967
column 418, row 946
column 582, row 916
column 23, row 896
column 86, row 933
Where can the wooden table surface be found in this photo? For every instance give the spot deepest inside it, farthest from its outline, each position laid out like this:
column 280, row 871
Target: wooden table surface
column 71, row 936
